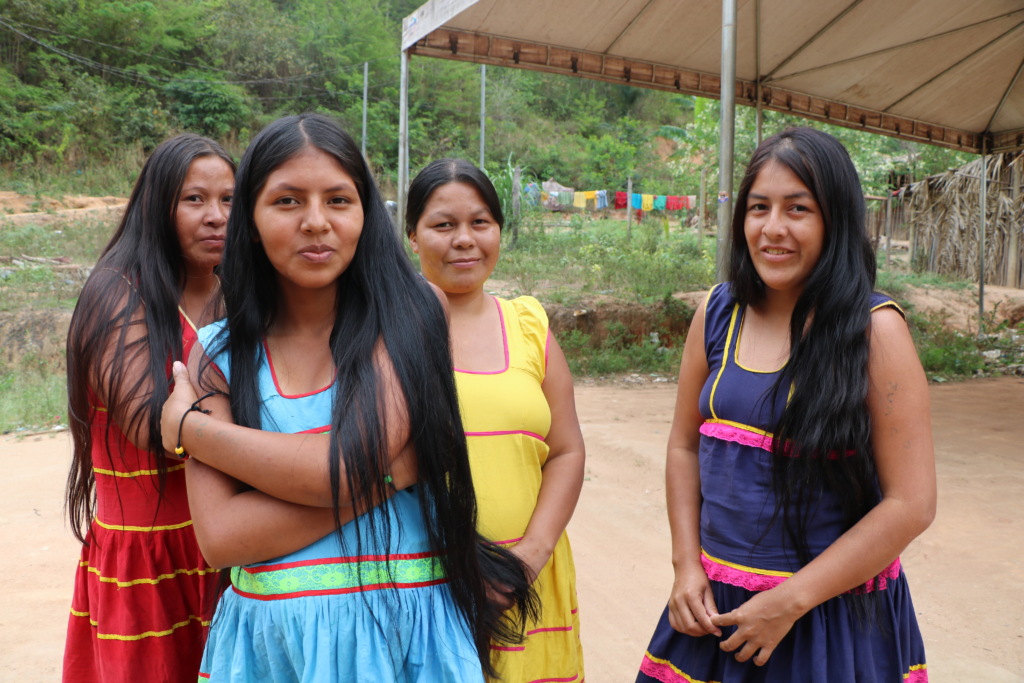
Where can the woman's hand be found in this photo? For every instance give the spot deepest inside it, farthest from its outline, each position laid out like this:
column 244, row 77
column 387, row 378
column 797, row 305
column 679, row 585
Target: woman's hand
column 533, row 556
column 691, row 608
column 761, row 623
column 181, row 399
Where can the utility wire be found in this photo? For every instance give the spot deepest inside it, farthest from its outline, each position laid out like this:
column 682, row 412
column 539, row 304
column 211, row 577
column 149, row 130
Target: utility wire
column 132, row 74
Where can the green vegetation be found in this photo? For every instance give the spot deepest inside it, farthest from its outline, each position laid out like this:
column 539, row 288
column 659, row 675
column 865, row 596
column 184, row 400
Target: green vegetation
column 33, row 395
column 27, row 283
column 590, row 257
column 87, row 88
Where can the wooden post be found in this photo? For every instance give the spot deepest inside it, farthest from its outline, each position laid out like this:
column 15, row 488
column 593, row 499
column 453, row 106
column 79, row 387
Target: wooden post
column 629, row 208
column 516, row 192
column 981, row 239
column 1013, row 253
column 703, row 202
column 888, row 227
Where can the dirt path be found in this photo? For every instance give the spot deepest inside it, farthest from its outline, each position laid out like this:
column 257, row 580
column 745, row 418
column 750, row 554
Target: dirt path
column 966, row 571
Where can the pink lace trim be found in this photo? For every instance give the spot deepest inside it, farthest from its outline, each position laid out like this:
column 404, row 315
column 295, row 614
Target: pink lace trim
column 663, row 672
column 744, row 437
column 917, row 675
column 753, row 581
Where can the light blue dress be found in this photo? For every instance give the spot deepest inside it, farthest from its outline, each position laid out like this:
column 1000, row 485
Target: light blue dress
column 317, row 615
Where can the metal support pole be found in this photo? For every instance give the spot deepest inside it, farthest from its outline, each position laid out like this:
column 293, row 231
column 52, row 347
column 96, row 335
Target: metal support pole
column 726, row 135
column 366, row 93
column 757, row 65
column 629, row 208
column 981, row 239
column 403, row 139
column 888, row 227
column 483, row 110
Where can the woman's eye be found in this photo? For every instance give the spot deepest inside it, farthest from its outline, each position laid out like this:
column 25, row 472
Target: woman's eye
column 193, row 198
column 287, row 201
column 758, row 207
column 339, row 200
column 228, row 199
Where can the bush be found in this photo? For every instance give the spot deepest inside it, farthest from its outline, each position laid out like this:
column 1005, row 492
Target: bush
column 205, row 106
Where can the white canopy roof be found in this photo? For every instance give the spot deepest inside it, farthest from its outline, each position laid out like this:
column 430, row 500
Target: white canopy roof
column 945, row 72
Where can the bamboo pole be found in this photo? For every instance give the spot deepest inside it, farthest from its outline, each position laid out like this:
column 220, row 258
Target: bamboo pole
column 981, row 240
column 888, row 227
column 1013, row 253
column 629, row 208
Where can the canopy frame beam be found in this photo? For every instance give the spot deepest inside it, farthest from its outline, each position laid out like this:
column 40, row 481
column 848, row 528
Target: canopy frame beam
column 893, row 48
column 485, row 48
column 954, row 66
column 814, row 38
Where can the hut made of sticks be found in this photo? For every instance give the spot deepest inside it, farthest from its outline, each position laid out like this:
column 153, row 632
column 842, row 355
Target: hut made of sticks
column 940, row 216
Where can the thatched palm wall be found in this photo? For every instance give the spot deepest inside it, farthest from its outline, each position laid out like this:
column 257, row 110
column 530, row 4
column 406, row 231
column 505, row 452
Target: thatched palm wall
column 941, row 217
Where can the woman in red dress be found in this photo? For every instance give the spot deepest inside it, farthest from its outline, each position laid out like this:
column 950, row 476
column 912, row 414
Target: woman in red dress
column 139, row 609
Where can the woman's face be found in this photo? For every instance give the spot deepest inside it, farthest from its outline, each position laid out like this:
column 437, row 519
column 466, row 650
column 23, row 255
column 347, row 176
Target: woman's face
column 784, row 228
column 309, row 219
column 457, row 239
column 201, row 216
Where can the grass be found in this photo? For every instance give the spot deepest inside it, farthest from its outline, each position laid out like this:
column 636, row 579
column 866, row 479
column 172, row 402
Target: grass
column 89, row 176
column 594, row 257
column 35, row 285
column 32, row 396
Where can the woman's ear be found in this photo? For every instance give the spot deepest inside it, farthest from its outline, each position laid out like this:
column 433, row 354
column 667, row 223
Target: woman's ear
column 413, row 243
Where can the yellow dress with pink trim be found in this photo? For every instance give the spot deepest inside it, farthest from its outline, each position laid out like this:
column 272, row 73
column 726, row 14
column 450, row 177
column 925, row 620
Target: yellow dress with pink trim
column 507, row 418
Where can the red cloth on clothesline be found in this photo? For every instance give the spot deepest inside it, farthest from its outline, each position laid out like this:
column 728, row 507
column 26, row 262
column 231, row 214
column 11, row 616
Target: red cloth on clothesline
column 620, row 200
column 673, row 203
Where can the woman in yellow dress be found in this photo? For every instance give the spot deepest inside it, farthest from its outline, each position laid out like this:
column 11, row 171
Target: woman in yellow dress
column 516, row 397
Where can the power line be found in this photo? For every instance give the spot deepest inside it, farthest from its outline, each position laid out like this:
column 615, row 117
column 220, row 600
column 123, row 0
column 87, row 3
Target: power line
column 132, row 74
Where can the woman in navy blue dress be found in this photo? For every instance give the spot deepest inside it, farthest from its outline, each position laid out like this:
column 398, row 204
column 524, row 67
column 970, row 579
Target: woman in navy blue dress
column 800, row 462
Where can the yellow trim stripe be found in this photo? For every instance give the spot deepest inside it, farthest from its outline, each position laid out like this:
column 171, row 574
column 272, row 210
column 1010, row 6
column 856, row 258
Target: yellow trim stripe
column 736, row 353
column 740, row 425
column 146, row 634
column 136, row 582
column 891, row 304
column 137, row 473
column 187, row 319
column 99, row 409
column 725, row 359
column 121, row 527
column 916, row 667
column 749, row 570
column 658, row 660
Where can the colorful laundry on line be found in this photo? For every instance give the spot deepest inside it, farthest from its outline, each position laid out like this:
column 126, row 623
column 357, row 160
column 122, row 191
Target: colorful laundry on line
column 602, row 199
column 647, row 202
column 659, row 202
column 620, row 200
column 579, row 200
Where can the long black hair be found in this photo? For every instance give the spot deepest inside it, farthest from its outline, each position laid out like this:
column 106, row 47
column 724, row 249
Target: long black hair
column 379, row 299
column 441, row 172
column 126, row 315
column 823, row 437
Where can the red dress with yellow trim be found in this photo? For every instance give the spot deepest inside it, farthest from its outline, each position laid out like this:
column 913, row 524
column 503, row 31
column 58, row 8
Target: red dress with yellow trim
column 139, row 607
column 744, row 553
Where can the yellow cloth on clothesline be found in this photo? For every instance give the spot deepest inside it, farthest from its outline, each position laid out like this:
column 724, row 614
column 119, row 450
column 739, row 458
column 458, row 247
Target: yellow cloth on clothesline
column 647, row 202
column 579, row 200
column 592, row 194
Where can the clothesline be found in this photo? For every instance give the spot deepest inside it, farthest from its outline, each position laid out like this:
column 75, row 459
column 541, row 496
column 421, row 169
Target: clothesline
column 554, row 197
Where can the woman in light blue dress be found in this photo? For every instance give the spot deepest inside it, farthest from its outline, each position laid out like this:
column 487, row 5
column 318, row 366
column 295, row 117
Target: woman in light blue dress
column 331, row 472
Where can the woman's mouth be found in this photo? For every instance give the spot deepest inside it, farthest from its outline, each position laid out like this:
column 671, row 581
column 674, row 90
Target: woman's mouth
column 316, row 253
column 464, row 262
column 775, row 253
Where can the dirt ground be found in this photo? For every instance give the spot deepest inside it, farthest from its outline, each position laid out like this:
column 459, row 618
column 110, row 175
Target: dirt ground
column 20, row 209
column 966, row 572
